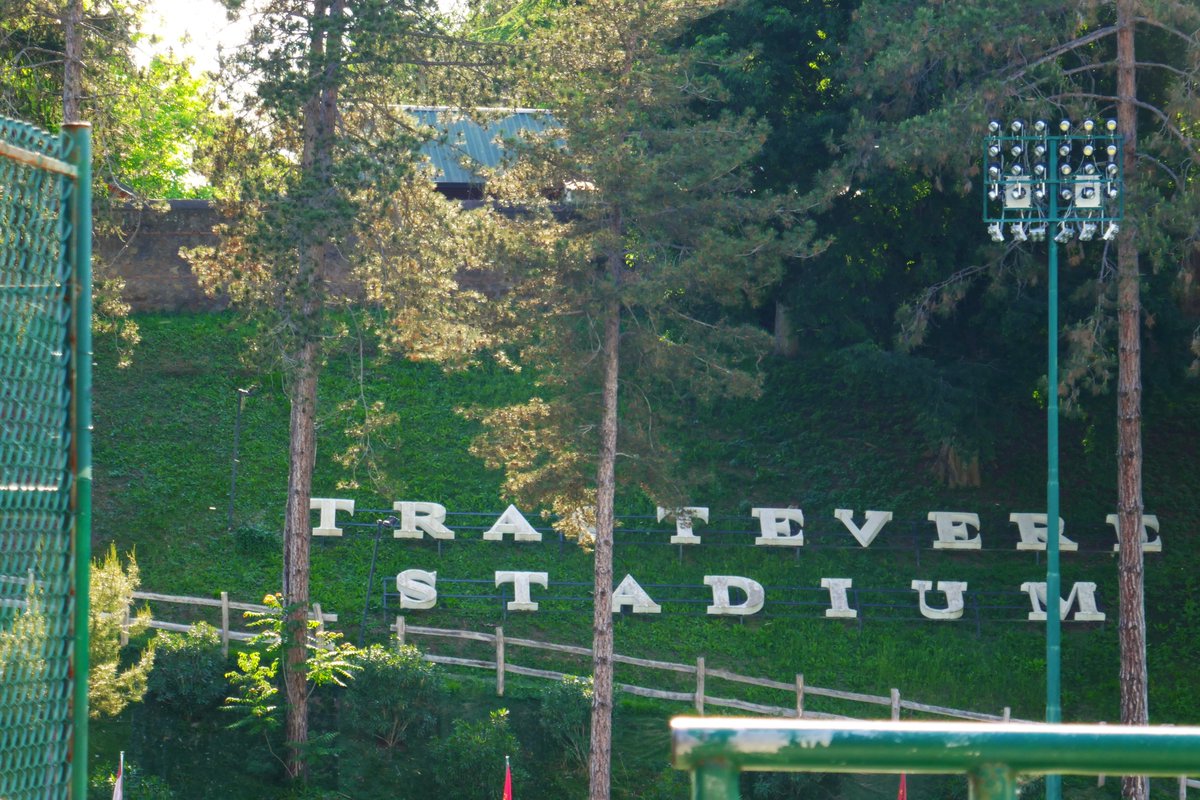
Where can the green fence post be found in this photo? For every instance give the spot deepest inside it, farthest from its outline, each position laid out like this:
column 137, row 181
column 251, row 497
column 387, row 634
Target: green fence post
column 80, row 136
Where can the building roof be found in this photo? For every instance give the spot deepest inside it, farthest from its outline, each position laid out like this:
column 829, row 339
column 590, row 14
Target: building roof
column 465, row 145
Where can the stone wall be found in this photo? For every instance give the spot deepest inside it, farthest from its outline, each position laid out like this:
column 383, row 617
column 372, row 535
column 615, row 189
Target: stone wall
column 141, row 244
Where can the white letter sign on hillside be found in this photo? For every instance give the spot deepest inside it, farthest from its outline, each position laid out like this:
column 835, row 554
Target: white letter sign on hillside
column 871, row 526
column 1083, row 593
column 512, row 522
column 683, row 522
column 418, row 519
column 775, row 527
column 839, row 607
column 629, row 593
column 721, row 605
column 954, row 530
column 1148, row 521
column 1033, row 527
column 954, row 599
column 329, row 507
column 417, row 588
column 520, row 582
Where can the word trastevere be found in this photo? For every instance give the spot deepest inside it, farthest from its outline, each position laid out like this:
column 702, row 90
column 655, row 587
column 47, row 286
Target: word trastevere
column 778, row 527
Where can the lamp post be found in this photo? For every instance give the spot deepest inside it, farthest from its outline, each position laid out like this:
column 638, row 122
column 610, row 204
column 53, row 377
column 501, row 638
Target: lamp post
column 1053, row 183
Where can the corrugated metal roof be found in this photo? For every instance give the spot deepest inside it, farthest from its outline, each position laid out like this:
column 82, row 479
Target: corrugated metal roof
column 465, row 145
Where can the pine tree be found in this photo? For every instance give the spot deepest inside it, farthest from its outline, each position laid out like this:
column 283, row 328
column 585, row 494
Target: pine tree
column 644, row 252
column 322, row 167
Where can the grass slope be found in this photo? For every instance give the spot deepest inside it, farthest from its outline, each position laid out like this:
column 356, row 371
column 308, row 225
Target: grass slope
column 164, row 431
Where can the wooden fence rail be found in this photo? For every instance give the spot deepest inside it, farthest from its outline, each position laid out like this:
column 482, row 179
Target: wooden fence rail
column 226, row 605
column 699, row 697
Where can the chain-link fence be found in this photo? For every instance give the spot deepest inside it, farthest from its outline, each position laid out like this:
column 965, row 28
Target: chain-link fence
column 45, row 232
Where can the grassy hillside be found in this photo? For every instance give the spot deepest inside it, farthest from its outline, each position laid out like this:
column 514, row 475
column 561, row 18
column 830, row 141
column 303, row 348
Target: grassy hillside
column 164, row 431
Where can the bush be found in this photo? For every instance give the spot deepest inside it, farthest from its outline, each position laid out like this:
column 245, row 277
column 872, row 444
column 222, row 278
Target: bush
column 135, row 784
column 255, row 539
column 393, row 698
column 470, row 761
column 189, row 669
column 566, row 718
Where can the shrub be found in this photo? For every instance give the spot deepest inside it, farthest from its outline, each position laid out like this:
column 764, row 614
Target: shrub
column 470, row 761
column 566, row 718
column 189, row 669
column 393, row 698
column 255, row 539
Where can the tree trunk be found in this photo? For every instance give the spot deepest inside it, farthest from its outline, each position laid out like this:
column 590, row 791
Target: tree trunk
column 315, row 252
column 1132, row 625
column 301, row 458
column 72, row 60
column 600, row 754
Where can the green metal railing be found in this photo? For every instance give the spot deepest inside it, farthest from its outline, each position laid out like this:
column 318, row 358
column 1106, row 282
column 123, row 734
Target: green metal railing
column 992, row 756
column 45, row 459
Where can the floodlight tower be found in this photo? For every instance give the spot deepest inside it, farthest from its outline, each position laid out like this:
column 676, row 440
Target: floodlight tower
column 1053, row 184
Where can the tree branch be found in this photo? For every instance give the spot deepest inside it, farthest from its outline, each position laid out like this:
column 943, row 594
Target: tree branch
column 1067, row 47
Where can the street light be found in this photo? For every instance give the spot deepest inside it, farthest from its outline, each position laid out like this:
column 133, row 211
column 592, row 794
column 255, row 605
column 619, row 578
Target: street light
column 1071, row 183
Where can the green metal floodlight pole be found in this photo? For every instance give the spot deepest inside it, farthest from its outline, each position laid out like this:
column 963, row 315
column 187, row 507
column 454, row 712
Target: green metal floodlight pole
column 1053, row 186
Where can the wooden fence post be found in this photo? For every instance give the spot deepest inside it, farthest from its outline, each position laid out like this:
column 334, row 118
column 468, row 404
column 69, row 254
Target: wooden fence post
column 500, row 662
column 125, row 627
column 399, row 632
column 1183, row 787
column 895, row 704
column 799, row 695
column 700, row 685
column 1007, row 713
column 225, row 623
column 1100, row 778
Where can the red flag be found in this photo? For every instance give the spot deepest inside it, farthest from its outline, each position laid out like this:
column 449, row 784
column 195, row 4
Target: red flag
column 119, row 784
column 903, row 793
column 507, row 780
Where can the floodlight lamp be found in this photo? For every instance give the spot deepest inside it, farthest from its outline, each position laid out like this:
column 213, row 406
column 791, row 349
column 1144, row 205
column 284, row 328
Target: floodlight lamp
column 1113, row 192
column 1039, row 169
column 1065, row 169
column 1065, row 232
column 994, row 150
column 1039, row 150
column 1039, row 194
column 1111, row 232
column 1016, row 126
column 993, row 193
column 1110, row 125
column 1040, row 127
column 1089, row 169
column 1064, row 126
column 1089, row 149
column 1086, row 231
column 996, row 232
column 1111, row 150
column 1016, row 169
column 1066, row 195
column 1064, row 149
column 1018, row 192
column 994, row 171
column 994, row 126
column 1089, row 125
column 1017, row 229
column 1016, row 150
column 1087, row 193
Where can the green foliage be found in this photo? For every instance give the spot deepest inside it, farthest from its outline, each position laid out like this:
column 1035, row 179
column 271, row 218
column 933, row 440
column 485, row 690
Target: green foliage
column 136, row 783
column 566, row 719
column 113, row 685
column 471, row 758
column 188, row 669
column 255, row 681
column 393, row 698
column 254, row 539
